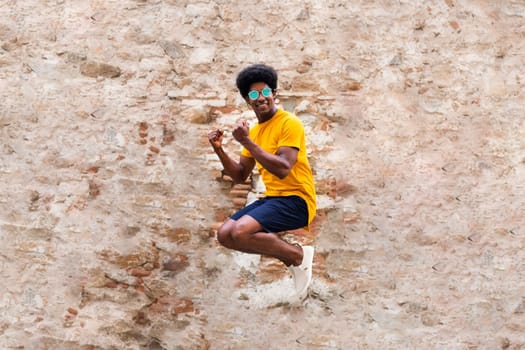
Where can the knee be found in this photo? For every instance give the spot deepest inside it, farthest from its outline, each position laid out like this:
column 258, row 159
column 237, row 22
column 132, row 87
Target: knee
column 239, row 232
column 233, row 232
column 224, row 236
column 227, row 235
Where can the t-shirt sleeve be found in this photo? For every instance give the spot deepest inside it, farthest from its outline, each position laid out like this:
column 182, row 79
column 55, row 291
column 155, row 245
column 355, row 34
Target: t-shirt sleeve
column 292, row 133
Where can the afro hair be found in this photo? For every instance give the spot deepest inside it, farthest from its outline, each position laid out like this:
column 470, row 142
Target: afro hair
column 254, row 74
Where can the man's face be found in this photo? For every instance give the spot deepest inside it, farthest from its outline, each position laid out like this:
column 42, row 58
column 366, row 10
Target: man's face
column 262, row 105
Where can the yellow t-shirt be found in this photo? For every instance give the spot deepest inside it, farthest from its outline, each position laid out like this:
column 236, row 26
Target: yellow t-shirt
column 285, row 129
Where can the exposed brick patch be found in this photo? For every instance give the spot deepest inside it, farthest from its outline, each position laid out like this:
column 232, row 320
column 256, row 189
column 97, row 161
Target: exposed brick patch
column 174, row 234
column 176, row 263
column 270, row 270
column 173, row 305
column 132, row 260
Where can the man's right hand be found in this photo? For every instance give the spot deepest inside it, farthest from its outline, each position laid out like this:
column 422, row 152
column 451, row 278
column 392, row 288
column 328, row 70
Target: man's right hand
column 215, row 138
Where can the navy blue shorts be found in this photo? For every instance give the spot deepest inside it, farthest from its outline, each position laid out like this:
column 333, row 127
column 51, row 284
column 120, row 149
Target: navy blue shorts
column 277, row 214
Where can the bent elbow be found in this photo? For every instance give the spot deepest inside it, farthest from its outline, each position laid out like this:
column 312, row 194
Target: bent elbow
column 283, row 174
column 238, row 180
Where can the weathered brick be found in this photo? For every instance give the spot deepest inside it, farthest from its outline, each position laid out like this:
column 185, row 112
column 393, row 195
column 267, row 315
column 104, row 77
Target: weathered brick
column 139, row 272
column 239, row 193
column 245, row 187
column 239, row 202
column 72, row 311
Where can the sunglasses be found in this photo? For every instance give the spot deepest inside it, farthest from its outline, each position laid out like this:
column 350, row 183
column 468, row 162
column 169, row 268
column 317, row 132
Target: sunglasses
column 254, row 94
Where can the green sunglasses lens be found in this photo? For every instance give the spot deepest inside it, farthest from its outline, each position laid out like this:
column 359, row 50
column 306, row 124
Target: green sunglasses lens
column 254, row 94
column 266, row 92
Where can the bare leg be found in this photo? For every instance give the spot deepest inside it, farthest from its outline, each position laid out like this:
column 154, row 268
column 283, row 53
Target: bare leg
column 246, row 235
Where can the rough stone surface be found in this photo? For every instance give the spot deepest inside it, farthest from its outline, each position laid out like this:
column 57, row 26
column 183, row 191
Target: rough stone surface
column 111, row 196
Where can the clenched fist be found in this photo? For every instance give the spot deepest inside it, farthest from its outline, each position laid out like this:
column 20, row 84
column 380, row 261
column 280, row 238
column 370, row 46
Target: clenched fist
column 215, row 138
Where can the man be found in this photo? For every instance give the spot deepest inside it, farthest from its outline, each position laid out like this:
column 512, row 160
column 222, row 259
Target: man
column 276, row 144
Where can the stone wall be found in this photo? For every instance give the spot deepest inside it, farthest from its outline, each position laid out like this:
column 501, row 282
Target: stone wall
column 111, row 194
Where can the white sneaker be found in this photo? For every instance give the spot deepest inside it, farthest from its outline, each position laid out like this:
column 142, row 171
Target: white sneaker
column 302, row 274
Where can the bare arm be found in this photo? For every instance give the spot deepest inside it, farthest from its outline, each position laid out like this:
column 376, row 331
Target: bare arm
column 238, row 171
column 278, row 164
